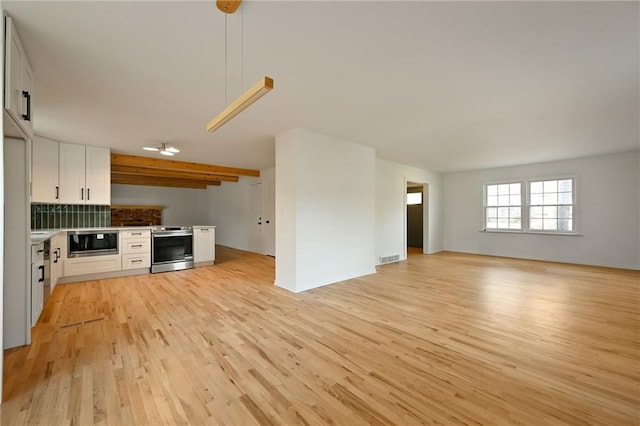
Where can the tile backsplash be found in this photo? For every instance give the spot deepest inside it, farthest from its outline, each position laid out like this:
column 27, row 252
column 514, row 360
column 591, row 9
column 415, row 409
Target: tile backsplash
column 59, row 216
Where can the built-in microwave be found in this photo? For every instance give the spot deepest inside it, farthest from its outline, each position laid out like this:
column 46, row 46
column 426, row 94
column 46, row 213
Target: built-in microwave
column 92, row 243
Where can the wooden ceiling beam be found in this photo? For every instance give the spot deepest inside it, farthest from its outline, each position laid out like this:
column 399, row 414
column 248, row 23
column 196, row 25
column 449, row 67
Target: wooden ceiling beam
column 183, row 166
column 162, row 181
column 146, row 171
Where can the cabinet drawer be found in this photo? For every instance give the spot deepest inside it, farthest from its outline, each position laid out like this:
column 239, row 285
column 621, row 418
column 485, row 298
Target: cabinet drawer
column 135, row 246
column 139, row 234
column 37, row 252
column 92, row 265
column 134, row 261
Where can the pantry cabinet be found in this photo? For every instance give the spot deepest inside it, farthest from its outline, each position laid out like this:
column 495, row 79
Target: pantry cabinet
column 18, row 84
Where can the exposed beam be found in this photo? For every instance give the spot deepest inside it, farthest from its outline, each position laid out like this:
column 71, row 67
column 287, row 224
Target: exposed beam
column 146, row 171
column 159, row 163
column 161, row 181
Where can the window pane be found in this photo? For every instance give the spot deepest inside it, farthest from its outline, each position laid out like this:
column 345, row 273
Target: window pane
column 503, row 223
column 503, row 212
column 550, row 186
column 514, row 188
column 550, row 212
column 503, row 200
column 565, row 185
column 492, row 190
column 515, row 223
column 565, row 198
column 503, row 189
column 492, row 201
column 536, row 212
column 564, row 225
column 514, row 200
column 492, row 223
column 550, row 198
column 565, row 212
column 515, row 212
column 536, row 199
column 550, row 224
column 492, row 212
column 536, row 187
column 535, row 224
column 414, row 198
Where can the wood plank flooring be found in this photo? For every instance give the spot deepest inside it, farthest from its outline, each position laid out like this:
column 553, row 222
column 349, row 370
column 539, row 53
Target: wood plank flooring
column 438, row 339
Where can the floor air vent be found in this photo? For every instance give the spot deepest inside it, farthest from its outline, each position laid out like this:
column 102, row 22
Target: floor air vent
column 389, row 259
column 79, row 323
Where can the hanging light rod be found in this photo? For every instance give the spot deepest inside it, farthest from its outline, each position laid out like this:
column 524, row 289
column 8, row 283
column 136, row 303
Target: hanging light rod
column 228, row 6
column 243, row 102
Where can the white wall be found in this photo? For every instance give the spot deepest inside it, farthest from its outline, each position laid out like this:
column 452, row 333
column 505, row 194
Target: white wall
column 390, row 211
column 608, row 208
column 325, row 210
column 182, row 206
column 228, row 209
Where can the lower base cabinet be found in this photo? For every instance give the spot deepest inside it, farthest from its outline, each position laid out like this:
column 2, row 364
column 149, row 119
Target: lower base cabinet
column 92, row 265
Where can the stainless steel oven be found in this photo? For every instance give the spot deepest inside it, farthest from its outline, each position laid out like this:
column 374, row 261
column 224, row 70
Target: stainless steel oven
column 171, row 248
column 92, row 243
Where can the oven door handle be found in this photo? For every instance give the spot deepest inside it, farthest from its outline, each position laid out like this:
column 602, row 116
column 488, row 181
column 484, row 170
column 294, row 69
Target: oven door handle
column 171, row 234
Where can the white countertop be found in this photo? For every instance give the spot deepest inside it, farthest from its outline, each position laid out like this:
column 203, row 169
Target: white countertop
column 41, row 235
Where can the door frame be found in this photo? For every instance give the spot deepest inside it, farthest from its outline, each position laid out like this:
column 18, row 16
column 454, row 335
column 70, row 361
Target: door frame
column 425, row 215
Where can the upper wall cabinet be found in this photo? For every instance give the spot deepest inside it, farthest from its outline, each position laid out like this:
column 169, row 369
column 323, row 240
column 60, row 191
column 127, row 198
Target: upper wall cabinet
column 84, row 174
column 44, row 171
column 18, row 85
column 70, row 174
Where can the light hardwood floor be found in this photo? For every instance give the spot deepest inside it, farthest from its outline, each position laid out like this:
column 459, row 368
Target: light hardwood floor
column 439, row 339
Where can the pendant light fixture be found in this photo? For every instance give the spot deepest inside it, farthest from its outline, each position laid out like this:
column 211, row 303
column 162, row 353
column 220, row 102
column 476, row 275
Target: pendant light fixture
column 260, row 89
column 163, row 149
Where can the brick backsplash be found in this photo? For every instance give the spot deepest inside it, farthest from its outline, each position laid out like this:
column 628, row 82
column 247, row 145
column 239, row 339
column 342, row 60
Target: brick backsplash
column 60, row 216
column 135, row 215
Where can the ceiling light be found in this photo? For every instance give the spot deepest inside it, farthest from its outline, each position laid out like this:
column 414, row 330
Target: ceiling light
column 242, row 103
column 163, row 149
column 250, row 96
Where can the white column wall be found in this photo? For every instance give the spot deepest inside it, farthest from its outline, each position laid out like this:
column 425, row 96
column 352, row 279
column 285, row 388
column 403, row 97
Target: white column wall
column 329, row 186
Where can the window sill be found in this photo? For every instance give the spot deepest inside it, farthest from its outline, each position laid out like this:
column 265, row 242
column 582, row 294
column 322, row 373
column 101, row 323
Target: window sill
column 507, row 231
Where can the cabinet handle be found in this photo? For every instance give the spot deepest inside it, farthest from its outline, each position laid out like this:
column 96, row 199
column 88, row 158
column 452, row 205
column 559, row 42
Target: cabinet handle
column 136, row 261
column 136, row 245
column 57, row 192
column 41, row 267
column 88, row 194
column 27, row 95
column 82, row 193
column 136, row 233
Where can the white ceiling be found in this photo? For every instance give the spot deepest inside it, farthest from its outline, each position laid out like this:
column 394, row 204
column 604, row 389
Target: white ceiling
column 445, row 86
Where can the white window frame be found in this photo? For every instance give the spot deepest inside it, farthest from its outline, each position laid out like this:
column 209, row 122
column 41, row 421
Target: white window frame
column 525, row 188
column 522, row 205
column 574, row 205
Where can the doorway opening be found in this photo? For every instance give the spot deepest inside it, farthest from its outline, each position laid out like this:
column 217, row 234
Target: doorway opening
column 416, row 219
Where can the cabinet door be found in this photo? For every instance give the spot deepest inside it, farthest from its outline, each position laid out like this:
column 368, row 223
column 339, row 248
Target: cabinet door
column 37, row 296
column 98, row 175
column 72, row 189
column 13, row 70
column 26, row 118
column 203, row 240
column 44, row 171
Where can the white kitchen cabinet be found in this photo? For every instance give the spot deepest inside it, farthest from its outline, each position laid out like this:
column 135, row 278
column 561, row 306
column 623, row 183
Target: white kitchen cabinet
column 18, row 82
column 84, row 174
column 92, row 264
column 136, row 249
column 204, row 245
column 57, row 256
column 44, row 171
column 37, row 282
